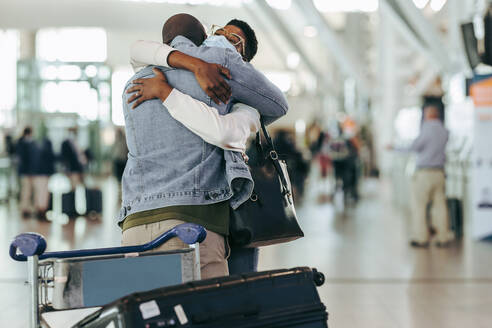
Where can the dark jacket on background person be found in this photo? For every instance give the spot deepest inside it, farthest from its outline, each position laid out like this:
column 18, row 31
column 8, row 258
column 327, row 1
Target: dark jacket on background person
column 26, row 152
column 44, row 159
column 70, row 157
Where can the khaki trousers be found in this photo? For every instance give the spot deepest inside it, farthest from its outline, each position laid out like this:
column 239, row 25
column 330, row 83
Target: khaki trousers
column 213, row 260
column 75, row 179
column 429, row 186
column 26, row 193
column 41, row 192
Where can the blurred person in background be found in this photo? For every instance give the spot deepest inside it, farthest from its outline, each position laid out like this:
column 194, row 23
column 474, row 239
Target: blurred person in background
column 317, row 142
column 366, row 151
column 322, row 154
column 119, row 153
column 314, row 138
column 343, row 154
column 429, row 180
column 26, row 151
column 298, row 168
column 350, row 133
column 44, row 167
column 10, row 150
column 9, row 145
column 73, row 159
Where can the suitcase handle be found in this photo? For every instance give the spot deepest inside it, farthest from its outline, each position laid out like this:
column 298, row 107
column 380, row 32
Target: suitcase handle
column 31, row 244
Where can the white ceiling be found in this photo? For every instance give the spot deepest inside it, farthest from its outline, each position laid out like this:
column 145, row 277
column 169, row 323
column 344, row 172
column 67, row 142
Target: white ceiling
column 146, row 18
column 113, row 14
column 127, row 20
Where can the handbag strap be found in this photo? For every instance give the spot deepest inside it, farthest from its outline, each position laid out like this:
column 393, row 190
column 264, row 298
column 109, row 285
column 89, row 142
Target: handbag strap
column 259, row 148
column 272, row 154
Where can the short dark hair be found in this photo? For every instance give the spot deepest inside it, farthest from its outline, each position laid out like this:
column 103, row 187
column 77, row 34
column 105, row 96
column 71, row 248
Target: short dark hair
column 251, row 46
column 185, row 25
column 27, row 131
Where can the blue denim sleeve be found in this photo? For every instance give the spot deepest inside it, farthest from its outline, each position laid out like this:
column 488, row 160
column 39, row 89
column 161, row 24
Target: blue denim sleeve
column 252, row 88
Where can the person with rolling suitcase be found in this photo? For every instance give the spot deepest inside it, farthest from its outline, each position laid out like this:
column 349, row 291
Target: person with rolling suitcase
column 26, row 150
column 73, row 158
column 44, row 167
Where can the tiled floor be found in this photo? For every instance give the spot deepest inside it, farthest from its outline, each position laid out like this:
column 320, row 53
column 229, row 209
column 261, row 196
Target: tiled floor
column 373, row 278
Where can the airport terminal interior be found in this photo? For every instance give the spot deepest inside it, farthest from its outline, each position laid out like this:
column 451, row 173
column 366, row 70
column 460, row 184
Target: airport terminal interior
column 386, row 142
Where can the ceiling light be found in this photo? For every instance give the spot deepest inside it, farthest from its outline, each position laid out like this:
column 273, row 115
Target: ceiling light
column 420, row 3
column 310, row 31
column 346, row 5
column 300, row 126
column 293, row 60
column 437, row 5
column 280, row 4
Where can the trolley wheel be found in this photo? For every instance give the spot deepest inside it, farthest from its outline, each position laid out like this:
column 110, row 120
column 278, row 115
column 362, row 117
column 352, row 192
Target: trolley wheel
column 318, row 277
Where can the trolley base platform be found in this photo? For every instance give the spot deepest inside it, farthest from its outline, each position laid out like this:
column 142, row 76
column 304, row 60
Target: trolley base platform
column 66, row 318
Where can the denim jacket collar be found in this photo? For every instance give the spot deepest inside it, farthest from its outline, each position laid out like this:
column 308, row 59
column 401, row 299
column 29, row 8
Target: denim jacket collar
column 180, row 41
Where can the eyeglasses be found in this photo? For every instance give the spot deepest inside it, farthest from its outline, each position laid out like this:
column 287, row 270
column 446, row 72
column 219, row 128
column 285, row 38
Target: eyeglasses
column 235, row 39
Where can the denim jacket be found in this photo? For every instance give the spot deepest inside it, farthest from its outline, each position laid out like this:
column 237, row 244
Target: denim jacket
column 168, row 164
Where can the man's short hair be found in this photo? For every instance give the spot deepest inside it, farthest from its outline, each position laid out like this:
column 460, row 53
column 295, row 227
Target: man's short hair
column 185, row 25
column 251, row 46
column 27, row 131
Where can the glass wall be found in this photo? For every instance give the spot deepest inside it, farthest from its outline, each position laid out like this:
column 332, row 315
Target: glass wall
column 9, row 45
column 72, row 44
column 72, row 76
column 121, row 75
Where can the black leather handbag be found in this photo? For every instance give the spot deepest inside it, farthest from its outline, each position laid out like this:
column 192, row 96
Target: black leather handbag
column 268, row 217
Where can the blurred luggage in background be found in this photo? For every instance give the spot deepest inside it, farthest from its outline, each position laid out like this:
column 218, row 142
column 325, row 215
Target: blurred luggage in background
column 82, row 202
column 455, row 209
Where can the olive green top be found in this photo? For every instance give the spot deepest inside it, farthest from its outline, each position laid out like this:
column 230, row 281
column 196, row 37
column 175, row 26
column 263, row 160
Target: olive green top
column 214, row 217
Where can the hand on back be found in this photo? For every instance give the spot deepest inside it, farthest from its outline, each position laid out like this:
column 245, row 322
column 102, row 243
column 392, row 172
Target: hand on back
column 151, row 88
column 210, row 77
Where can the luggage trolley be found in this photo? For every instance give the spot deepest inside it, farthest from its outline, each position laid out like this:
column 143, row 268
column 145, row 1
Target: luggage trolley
column 85, row 279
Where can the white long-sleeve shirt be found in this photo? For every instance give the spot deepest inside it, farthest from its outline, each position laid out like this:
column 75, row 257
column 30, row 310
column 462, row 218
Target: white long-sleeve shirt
column 230, row 131
column 145, row 53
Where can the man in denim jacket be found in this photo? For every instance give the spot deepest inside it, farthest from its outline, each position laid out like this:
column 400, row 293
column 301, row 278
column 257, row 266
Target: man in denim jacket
column 172, row 175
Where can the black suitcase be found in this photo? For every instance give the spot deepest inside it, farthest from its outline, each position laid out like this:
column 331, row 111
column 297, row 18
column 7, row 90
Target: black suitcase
column 93, row 198
column 68, row 204
column 270, row 299
column 94, row 201
column 455, row 209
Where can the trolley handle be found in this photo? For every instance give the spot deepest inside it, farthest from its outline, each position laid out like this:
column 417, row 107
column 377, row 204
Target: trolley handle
column 31, row 244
